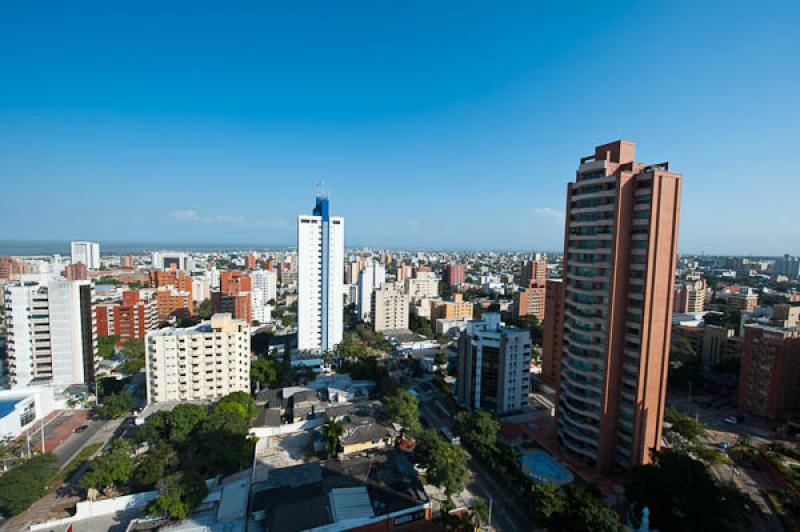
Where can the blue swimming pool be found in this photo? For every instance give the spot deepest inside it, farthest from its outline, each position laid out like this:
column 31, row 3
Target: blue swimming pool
column 541, row 466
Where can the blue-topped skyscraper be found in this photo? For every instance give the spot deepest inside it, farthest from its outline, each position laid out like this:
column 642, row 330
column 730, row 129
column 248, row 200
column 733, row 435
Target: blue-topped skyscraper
column 320, row 278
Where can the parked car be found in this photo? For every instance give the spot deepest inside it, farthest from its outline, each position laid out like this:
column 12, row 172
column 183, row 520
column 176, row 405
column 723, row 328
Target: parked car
column 732, row 420
column 81, row 429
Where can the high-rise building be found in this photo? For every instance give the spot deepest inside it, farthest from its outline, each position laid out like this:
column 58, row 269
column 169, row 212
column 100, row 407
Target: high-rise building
column 264, row 294
column 169, row 260
column 239, row 305
column 87, row 253
column 689, row 296
column 534, row 271
column 389, row 308
column 203, row 362
column 451, row 310
column 370, row 278
column 76, row 272
column 51, row 332
column 619, row 270
column 175, row 292
column 552, row 332
column 133, row 317
column 127, row 262
column 493, row 365
column 11, row 267
column 234, row 282
column 454, row 275
column 423, row 285
column 788, row 266
column 250, row 261
column 770, row 371
column 320, row 290
column 530, row 301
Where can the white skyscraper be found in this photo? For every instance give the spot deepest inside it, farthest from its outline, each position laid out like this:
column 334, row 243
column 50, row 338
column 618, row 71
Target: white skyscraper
column 87, row 253
column 320, row 278
column 370, row 279
column 52, row 332
column 264, row 290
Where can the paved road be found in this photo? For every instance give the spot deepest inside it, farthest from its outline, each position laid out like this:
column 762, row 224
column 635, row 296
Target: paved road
column 99, row 431
column 505, row 513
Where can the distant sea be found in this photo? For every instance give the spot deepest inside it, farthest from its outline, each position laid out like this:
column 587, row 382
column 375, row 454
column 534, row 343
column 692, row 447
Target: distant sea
column 50, row 247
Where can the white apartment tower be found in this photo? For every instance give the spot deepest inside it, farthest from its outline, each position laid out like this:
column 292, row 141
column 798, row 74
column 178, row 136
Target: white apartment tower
column 320, row 276
column 206, row 361
column 370, row 278
column 493, row 365
column 52, row 336
column 87, row 253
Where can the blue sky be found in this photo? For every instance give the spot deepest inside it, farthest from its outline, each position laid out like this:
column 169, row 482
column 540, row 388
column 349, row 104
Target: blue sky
column 433, row 124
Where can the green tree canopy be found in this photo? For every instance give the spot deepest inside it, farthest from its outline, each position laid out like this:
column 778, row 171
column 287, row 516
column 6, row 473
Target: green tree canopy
column 243, row 399
column 478, row 427
column 204, row 310
column 179, row 494
column 105, row 346
column 264, row 373
column 133, row 350
column 446, row 463
column 26, row 483
column 116, row 405
column 111, row 469
column 682, row 495
column 686, row 426
column 402, row 408
column 159, row 462
column 332, row 432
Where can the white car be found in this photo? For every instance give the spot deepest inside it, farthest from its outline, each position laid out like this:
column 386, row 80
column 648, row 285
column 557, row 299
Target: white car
column 731, row 420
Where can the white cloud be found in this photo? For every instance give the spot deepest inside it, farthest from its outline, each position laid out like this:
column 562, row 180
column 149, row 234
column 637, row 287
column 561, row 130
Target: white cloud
column 191, row 215
column 547, row 212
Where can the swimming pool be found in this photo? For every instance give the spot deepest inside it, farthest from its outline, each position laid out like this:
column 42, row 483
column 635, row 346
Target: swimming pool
column 540, row 466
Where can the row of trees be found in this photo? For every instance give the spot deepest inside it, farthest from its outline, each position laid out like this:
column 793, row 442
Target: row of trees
column 185, row 446
column 26, row 483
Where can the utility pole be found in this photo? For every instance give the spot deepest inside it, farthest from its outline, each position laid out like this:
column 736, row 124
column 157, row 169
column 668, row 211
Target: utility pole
column 41, row 431
column 490, row 512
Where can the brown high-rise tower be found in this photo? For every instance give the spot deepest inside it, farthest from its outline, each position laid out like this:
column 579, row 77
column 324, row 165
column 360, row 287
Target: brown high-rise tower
column 619, row 266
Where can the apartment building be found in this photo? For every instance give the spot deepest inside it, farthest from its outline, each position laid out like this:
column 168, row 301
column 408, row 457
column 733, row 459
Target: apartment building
column 690, row 296
column 171, row 302
column 530, row 301
column 320, row 287
column 424, row 285
column 454, row 275
column 619, row 270
column 534, row 271
column 203, row 362
column 390, row 306
column 769, row 379
column 87, row 253
column 552, row 328
column 370, row 278
column 238, row 305
column 493, row 365
column 449, row 310
column 133, row 317
column 76, row 272
column 52, row 338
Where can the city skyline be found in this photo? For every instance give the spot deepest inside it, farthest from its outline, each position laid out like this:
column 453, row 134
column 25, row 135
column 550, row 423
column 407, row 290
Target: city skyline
column 485, row 113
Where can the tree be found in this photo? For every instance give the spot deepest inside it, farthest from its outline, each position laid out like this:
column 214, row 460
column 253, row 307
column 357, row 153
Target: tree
column 686, row 426
column 179, row 494
column 420, row 325
column 133, row 350
column 111, row 469
column 263, row 373
column 332, row 432
column 682, row 495
column 550, row 502
column 26, row 483
column 681, row 350
column 182, row 421
column 116, row 405
column 441, row 360
column 446, row 463
column 249, row 407
column 260, row 342
column 585, row 509
column 159, row 462
column 105, row 346
column 204, row 310
column 221, row 444
column 402, row 408
column 478, row 427
column 729, row 318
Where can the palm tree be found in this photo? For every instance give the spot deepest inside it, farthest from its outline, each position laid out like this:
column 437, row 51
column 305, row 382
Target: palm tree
column 332, row 432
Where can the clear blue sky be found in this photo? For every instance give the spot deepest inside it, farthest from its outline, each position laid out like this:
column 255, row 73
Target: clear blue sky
column 434, row 124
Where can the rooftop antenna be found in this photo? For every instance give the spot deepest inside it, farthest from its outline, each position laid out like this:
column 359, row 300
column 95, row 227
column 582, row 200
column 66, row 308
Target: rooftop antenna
column 320, row 189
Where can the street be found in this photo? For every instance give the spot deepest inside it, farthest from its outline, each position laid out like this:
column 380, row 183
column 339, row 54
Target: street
column 505, row 514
